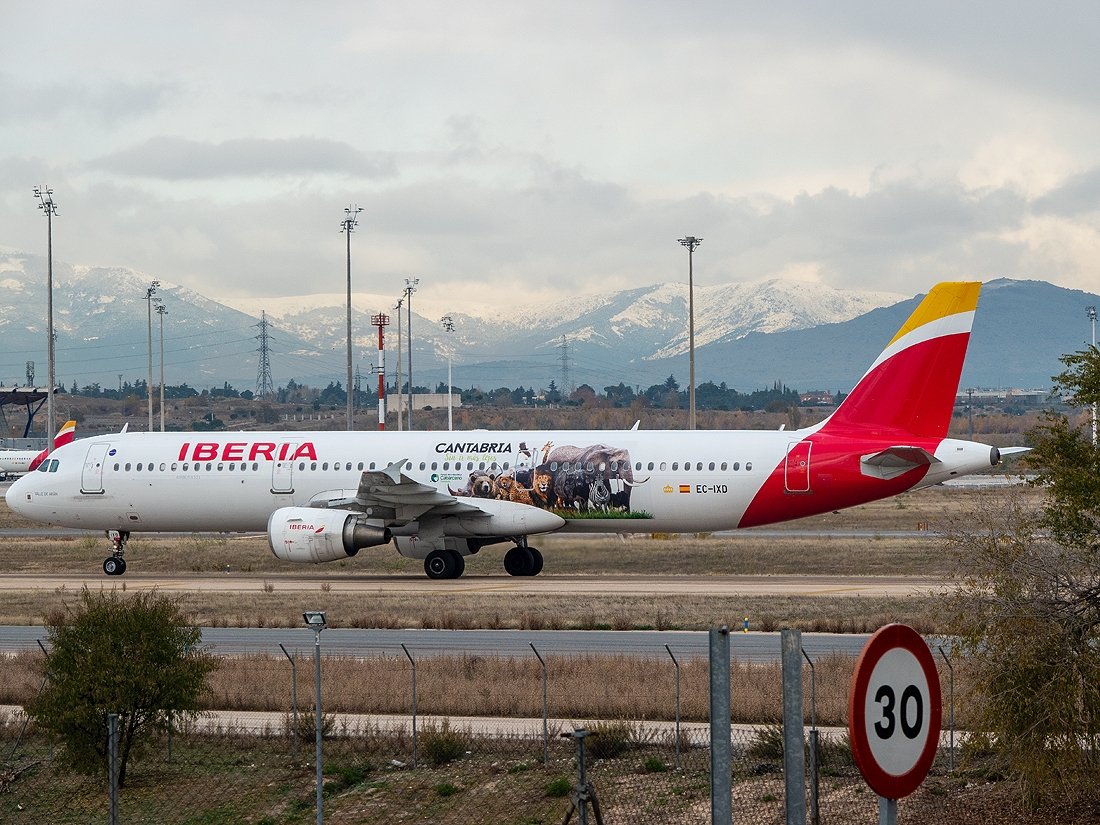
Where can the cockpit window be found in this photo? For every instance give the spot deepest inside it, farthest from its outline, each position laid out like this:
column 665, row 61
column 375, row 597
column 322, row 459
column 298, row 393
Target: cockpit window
column 53, row 465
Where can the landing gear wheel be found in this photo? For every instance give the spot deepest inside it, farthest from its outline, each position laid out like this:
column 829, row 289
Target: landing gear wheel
column 519, row 561
column 536, row 558
column 115, row 565
column 460, row 564
column 440, row 564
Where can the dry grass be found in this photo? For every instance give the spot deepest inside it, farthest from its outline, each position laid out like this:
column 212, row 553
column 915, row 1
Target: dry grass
column 579, row 687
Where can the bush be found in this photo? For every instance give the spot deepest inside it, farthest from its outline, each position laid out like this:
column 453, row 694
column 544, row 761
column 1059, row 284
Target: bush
column 608, row 740
column 559, row 787
column 441, row 744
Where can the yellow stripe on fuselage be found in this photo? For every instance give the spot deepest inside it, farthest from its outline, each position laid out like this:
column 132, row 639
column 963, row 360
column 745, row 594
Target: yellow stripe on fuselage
column 949, row 298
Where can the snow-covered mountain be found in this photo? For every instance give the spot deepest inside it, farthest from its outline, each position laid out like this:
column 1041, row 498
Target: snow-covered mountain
column 747, row 334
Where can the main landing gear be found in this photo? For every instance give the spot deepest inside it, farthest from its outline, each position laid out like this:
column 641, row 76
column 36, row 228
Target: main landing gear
column 115, row 564
column 522, row 560
column 444, row 564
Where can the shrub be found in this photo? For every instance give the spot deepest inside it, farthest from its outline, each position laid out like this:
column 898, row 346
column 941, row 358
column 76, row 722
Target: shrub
column 608, row 740
column 441, row 744
column 559, row 787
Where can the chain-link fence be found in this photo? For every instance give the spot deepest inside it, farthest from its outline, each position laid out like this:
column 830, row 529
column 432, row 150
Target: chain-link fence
column 479, row 740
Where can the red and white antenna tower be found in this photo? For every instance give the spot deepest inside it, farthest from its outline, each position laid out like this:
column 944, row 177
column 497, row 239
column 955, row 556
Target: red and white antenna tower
column 381, row 321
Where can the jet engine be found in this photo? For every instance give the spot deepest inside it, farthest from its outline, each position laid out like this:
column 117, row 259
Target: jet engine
column 313, row 535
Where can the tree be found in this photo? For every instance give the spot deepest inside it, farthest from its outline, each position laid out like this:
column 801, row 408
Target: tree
column 1027, row 611
column 135, row 656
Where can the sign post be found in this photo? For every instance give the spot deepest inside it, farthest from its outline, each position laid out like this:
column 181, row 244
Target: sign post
column 894, row 715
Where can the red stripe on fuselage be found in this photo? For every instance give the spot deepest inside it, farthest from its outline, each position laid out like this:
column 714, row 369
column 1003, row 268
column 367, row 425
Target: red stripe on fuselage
column 906, row 400
column 835, row 479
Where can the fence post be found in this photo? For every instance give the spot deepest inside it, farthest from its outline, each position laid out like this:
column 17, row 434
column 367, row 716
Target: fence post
column 794, row 761
column 412, row 661
column 545, row 711
column 677, row 666
column 815, row 771
column 721, row 785
column 112, row 768
column 951, row 711
column 293, row 699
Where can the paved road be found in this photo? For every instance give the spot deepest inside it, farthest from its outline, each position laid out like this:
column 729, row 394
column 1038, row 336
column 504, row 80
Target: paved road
column 230, row 641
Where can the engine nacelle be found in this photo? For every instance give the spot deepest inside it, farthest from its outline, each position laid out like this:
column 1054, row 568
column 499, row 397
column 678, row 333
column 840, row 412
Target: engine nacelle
column 313, row 535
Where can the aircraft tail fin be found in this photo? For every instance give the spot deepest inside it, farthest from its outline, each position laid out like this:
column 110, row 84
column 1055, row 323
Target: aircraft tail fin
column 63, row 437
column 912, row 385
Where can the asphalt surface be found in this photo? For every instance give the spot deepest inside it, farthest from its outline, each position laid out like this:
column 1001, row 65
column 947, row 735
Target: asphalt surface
column 684, row 644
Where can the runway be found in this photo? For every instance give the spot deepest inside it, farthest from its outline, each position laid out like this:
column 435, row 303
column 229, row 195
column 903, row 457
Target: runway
column 544, row 585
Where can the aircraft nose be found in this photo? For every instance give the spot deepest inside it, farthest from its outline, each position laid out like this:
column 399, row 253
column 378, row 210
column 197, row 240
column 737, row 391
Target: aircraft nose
column 15, row 496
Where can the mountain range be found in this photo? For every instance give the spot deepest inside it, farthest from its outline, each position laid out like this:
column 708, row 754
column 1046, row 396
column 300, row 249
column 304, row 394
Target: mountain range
column 748, row 335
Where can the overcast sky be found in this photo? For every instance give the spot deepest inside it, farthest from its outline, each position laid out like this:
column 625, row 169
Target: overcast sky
column 514, row 152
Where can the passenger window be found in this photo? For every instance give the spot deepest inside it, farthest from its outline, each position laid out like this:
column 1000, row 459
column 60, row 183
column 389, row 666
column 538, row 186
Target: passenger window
column 209, row 467
column 723, row 466
column 554, row 466
column 589, row 467
column 324, row 466
column 675, row 465
column 650, row 465
column 638, row 466
column 710, row 466
column 313, row 465
column 220, row 467
column 232, row 467
column 422, row 465
column 435, row 465
column 699, row 465
column 505, row 465
column 736, row 466
column 663, row 465
column 162, row 466
column 139, row 467
column 371, row 465
column 116, row 467
column 748, row 466
column 481, row 465
column 360, row 466
column 127, row 466
column 185, row 468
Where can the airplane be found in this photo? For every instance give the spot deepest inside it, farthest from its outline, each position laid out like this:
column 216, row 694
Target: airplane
column 16, row 462
column 443, row 496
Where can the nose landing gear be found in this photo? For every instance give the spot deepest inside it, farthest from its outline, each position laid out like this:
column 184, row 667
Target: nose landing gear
column 115, row 564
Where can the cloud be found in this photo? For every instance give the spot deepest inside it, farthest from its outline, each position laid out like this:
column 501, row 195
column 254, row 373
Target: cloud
column 106, row 103
column 174, row 158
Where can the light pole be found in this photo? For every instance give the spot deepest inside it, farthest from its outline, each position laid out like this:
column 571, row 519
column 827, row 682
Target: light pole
column 397, row 385
column 1092, row 320
column 315, row 619
column 449, row 326
column 410, row 288
column 46, row 204
column 162, row 310
column 149, row 293
column 347, row 226
column 691, row 242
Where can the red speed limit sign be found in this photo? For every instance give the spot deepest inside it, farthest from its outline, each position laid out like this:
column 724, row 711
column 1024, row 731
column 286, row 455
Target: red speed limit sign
column 894, row 711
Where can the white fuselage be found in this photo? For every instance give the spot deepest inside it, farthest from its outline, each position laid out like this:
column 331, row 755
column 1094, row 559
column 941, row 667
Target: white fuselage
column 677, row 481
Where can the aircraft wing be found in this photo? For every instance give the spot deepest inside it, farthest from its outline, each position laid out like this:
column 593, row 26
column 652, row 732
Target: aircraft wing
column 893, row 461
column 393, row 497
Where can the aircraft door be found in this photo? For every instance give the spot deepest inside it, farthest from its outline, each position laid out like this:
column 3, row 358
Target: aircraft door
column 91, row 479
column 796, row 470
column 282, row 473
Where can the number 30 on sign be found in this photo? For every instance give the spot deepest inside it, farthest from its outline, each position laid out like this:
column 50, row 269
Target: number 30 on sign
column 894, row 711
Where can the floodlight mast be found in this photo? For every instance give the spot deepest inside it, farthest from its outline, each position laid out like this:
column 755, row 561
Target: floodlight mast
column 47, row 205
column 449, row 327
column 410, row 288
column 691, row 243
column 347, row 226
column 162, row 310
column 150, row 292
